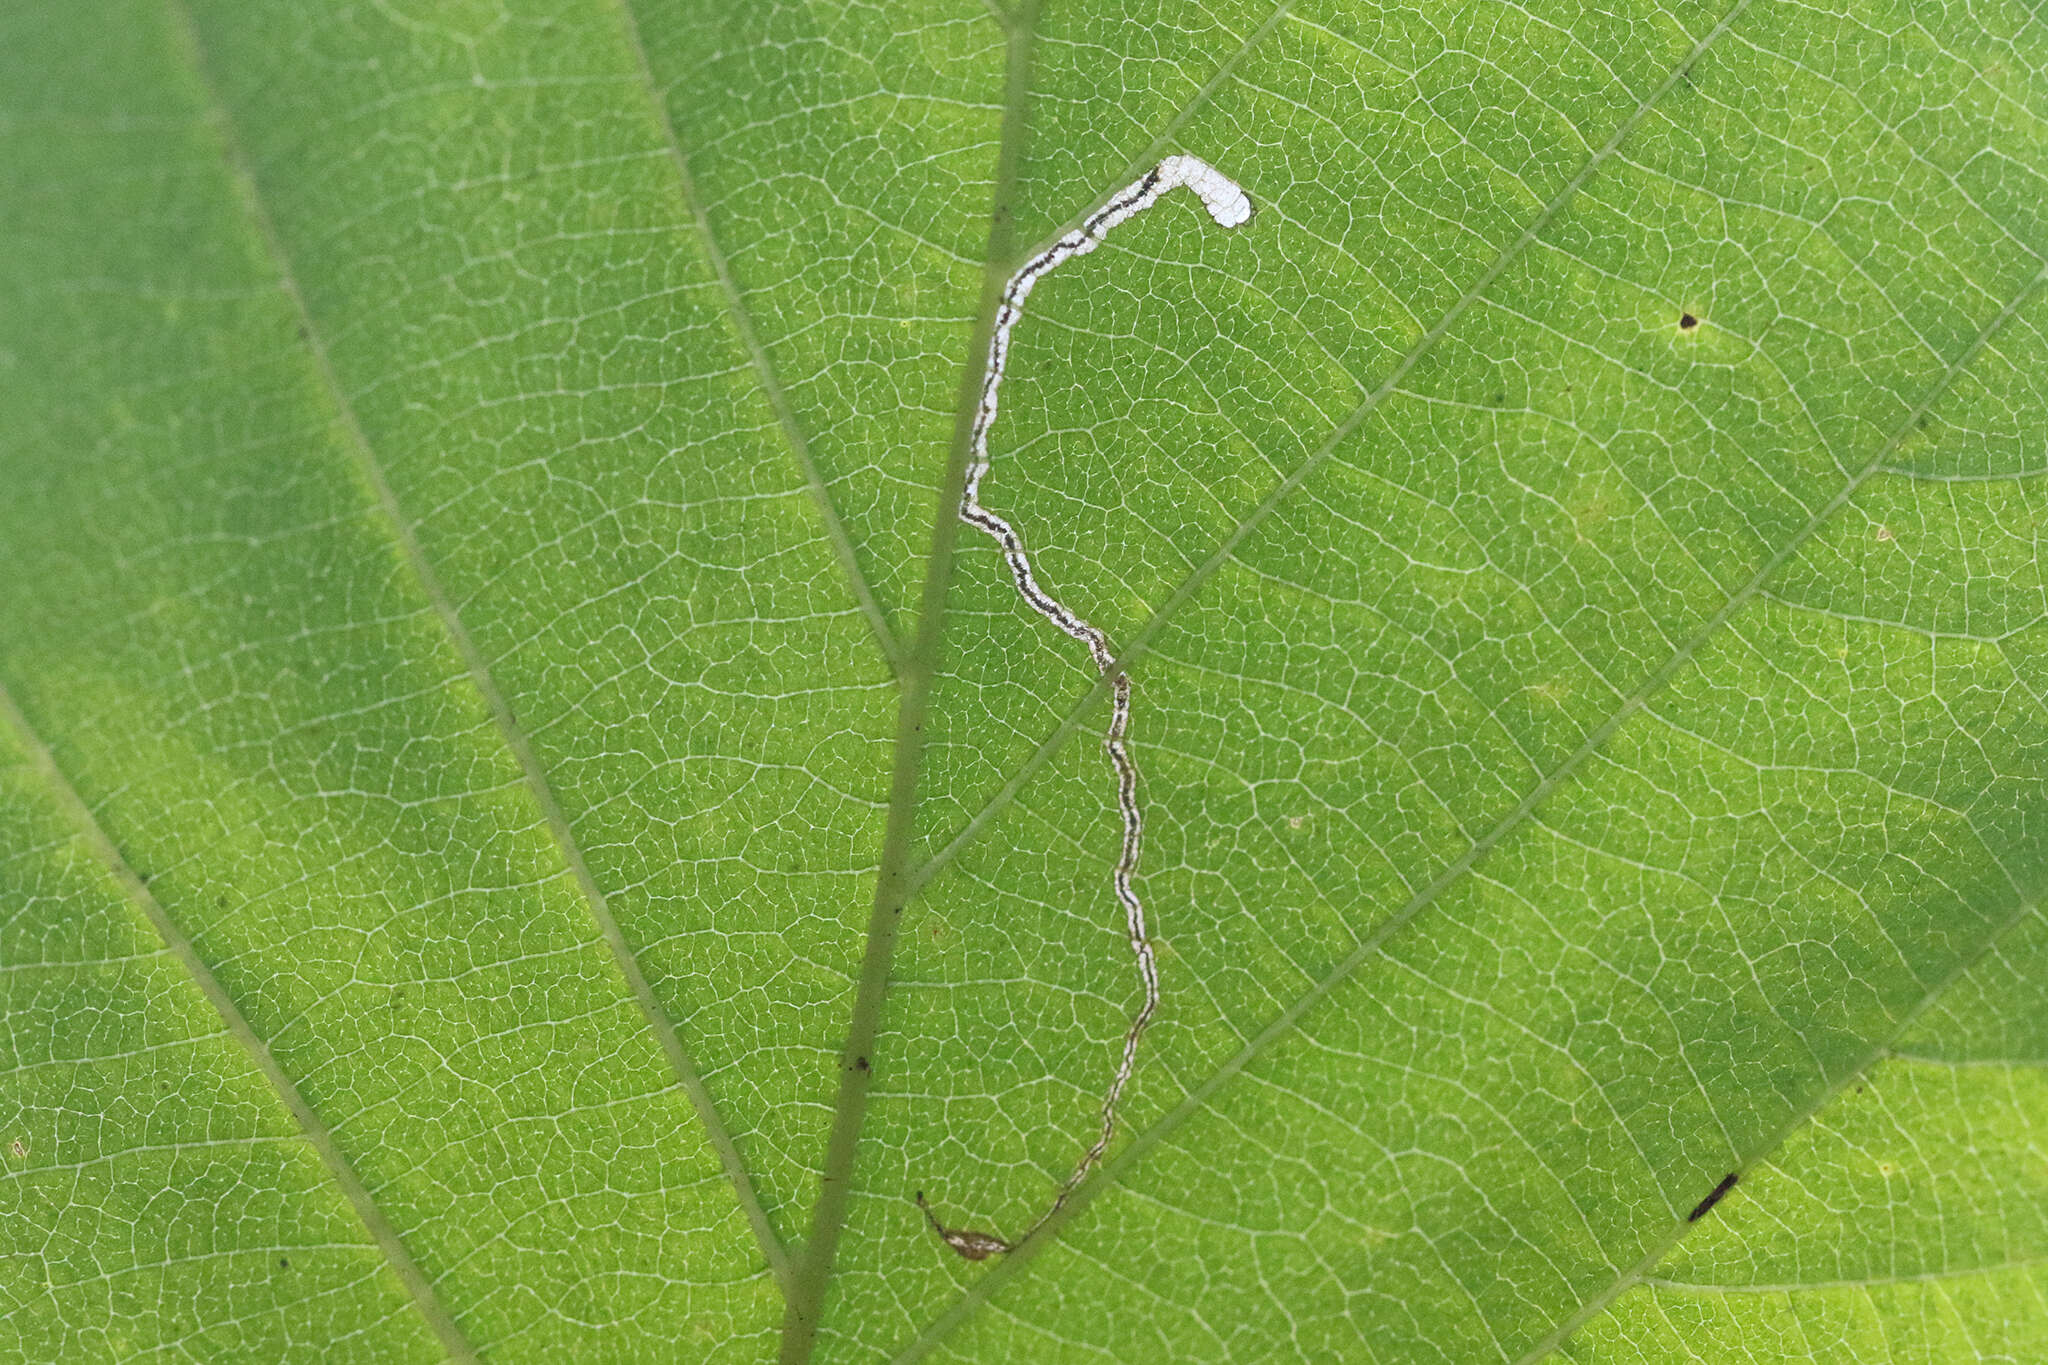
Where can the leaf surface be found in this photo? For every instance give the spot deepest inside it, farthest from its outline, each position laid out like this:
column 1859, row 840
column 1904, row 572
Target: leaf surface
column 529, row 829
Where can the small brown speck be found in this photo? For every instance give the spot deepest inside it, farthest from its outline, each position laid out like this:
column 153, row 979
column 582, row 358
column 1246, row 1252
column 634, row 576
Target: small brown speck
column 860, row 1064
column 1706, row 1205
column 1686, row 322
column 1884, row 533
column 19, row 1148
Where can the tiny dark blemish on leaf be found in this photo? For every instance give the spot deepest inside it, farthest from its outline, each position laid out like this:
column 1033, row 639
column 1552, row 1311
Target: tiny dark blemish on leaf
column 1883, row 533
column 1720, row 1192
column 1686, row 322
column 1922, row 423
column 284, row 1263
column 1501, row 397
column 19, row 1148
column 860, row 1064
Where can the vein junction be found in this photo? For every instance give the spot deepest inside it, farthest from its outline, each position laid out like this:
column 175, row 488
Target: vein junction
column 1230, row 208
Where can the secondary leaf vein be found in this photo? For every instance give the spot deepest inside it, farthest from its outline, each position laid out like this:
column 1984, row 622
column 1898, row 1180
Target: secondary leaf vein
column 757, row 354
column 315, row 1130
column 688, row 1078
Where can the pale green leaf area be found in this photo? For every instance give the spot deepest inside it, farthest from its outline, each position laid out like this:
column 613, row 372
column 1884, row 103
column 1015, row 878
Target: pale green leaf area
column 529, row 832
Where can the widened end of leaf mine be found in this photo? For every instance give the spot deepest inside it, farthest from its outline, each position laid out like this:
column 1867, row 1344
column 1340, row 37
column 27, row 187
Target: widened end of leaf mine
column 973, row 1246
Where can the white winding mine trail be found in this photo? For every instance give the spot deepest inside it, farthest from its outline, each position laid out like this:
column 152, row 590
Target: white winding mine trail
column 1228, row 205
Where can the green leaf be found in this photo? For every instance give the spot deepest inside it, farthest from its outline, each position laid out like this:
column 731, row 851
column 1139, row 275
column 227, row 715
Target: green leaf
column 528, row 829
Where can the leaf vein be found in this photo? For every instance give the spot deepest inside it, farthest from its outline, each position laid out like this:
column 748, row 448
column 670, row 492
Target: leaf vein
column 515, row 740
column 1283, row 1025
column 318, row 1135
column 757, row 354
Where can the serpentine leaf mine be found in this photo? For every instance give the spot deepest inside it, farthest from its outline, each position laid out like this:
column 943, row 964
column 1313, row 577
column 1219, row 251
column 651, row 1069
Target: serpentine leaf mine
column 1229, row 207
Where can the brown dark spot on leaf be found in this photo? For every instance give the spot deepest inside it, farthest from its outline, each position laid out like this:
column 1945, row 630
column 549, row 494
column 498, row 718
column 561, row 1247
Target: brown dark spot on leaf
column 1720, row 1191
column 1686, row 322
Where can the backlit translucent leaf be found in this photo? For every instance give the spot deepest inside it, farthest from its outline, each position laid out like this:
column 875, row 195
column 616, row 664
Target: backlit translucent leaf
column 482, row 629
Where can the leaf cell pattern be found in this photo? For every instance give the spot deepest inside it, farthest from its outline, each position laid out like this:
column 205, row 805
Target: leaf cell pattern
column 481, row 489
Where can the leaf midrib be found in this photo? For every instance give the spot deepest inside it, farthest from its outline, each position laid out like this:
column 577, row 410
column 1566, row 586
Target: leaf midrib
column 805, row 1302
